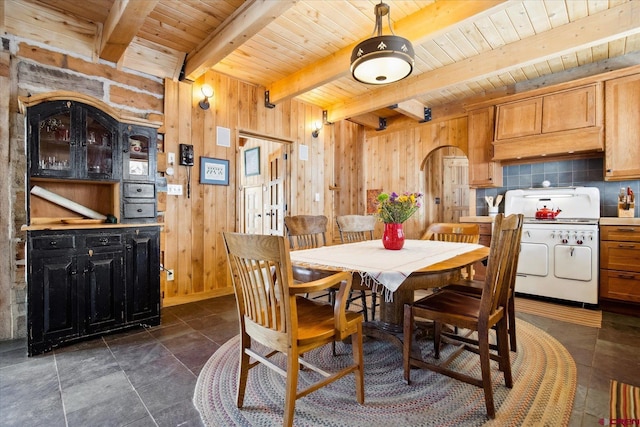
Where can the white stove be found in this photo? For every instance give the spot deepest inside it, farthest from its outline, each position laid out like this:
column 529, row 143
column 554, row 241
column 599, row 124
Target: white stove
column 559, row 257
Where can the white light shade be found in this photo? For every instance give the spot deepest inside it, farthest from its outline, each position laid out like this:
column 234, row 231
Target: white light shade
column 207, row 91
column 381, row 69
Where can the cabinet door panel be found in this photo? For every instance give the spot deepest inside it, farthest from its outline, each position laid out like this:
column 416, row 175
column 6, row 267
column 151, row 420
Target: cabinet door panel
column 483, row 171
column 573, row 109
column 103, row 291
column 52, row 308
column 143, row 275
column 622, row 127
column 521, row 118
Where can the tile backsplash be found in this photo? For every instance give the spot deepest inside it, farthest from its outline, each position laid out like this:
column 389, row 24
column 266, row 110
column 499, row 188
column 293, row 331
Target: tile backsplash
column 566, row 173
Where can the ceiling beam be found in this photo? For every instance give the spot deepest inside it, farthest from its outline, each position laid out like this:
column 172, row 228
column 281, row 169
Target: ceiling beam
column 429, row 22
column 243, row 24
column 125, row 19
column 411, row 108
column 617, row 22
column 369, row 120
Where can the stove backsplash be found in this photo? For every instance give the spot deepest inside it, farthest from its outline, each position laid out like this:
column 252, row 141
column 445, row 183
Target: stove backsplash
column 586, row 172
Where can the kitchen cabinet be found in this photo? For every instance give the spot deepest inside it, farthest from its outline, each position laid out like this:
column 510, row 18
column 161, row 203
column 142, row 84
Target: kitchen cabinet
column 139, row 165
column 561, row 123
column 622, row 127
column 86, row 282
column 620, row 262
column 142, row 266
column 483, row 171
column 72, row 140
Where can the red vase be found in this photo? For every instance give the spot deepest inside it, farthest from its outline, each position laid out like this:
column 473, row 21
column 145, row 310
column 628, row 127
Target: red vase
column 393, row 237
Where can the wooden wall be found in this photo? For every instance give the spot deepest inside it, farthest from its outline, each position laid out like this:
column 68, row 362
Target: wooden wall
column 396, row 160
column 192, row 242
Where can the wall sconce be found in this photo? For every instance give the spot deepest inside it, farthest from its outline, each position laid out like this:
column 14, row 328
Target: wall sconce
column 207, row 92
column 316, row 126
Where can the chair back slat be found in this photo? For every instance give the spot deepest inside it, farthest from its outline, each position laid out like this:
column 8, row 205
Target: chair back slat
column 356, row 228
column 306, row 231
column 452, row 232
column 258, row 266
column 501, row 268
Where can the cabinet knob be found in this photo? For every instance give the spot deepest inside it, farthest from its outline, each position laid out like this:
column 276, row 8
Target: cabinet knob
column 53, row 243
column 139, row 210
column 139, row 190
column 104, row 240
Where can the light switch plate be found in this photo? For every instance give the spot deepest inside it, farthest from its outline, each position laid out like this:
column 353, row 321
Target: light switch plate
column 174, row 189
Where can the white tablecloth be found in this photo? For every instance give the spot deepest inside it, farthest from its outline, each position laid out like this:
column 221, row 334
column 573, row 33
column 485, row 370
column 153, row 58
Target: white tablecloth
column 379, row 266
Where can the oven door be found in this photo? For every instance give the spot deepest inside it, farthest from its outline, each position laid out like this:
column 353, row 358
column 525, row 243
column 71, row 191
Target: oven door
column 572, row 262
column 533, row 260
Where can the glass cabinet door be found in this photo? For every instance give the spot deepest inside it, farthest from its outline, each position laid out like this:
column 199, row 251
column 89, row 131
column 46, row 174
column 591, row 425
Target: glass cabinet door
column 139, row 157
column 55, row 147
column 99, row 140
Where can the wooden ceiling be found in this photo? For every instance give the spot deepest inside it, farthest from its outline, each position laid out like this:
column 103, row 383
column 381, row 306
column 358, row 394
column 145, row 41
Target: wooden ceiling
column 464, row 49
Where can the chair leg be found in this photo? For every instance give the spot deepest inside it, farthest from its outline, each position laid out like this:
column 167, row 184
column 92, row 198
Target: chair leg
column 358, row 358
column 407, row 333
column 374, row 296
column 243, row 370
column 511, row 317
column 437, row 338
column 485, row 369
column 293, row 368
column 363, row 297
column 503, row 352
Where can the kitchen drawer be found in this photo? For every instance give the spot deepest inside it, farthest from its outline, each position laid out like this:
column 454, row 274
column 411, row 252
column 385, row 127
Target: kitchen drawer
column 53, row 242
column 624, row 256
column 138, row 190
column 620, row 285
column 140, row 210
column 104, row 240
column 625, row 233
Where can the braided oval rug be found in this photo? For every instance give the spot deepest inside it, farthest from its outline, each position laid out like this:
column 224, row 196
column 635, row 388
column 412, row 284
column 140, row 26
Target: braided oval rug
column 543, row 392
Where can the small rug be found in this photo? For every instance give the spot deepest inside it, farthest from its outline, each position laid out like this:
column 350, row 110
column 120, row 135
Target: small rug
column 543, row 392
column 624, row 404
column 576, row 315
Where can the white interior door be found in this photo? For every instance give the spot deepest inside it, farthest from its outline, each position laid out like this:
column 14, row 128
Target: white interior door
column 253, row 213
column 274, row 209
column 455, row 176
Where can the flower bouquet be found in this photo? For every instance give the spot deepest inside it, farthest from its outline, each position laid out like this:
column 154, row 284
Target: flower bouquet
column 393, row 210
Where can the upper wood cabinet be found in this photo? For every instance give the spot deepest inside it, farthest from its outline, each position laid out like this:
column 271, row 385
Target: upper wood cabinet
column 483, row 171
column 622, row 127
column 560, row 123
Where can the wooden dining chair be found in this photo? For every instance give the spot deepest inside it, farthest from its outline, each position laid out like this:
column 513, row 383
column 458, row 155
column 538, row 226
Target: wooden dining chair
column 473, row 314
column 307, row 232
column 272, row 313
column 358, row 228
column 454, row 232
column 474, row 288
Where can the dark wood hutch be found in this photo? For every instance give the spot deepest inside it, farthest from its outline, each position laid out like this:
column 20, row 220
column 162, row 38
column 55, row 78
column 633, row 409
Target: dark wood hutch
column 93, row 241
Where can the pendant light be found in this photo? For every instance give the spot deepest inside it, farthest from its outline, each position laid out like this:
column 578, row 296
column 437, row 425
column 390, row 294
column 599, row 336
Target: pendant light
column 382, row 59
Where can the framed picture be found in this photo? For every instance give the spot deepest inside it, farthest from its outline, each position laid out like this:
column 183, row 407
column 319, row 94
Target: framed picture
column 214, row 171
column 252, row 161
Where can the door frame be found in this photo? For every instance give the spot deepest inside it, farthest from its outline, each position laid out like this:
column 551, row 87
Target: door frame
column 260, row 137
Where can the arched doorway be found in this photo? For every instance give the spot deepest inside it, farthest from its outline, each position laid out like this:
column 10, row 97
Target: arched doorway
column 447, row 185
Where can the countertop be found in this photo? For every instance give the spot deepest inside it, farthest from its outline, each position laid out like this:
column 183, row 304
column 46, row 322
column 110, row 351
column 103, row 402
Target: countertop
column 486, row 219
column 619, row 221
column 612, row 220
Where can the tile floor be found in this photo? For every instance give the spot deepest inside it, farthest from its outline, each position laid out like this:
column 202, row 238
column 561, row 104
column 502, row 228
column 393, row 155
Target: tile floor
column 147, row 377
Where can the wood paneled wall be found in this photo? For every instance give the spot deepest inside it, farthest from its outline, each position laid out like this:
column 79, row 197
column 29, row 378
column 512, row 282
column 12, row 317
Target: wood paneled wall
column 395, row 161
column 192, row 242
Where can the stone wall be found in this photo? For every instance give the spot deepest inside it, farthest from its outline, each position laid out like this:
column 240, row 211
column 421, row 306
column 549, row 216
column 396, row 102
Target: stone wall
column 26, row 69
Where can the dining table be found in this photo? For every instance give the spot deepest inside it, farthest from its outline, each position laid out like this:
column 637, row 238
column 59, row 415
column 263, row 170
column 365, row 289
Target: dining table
column 394, row 274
